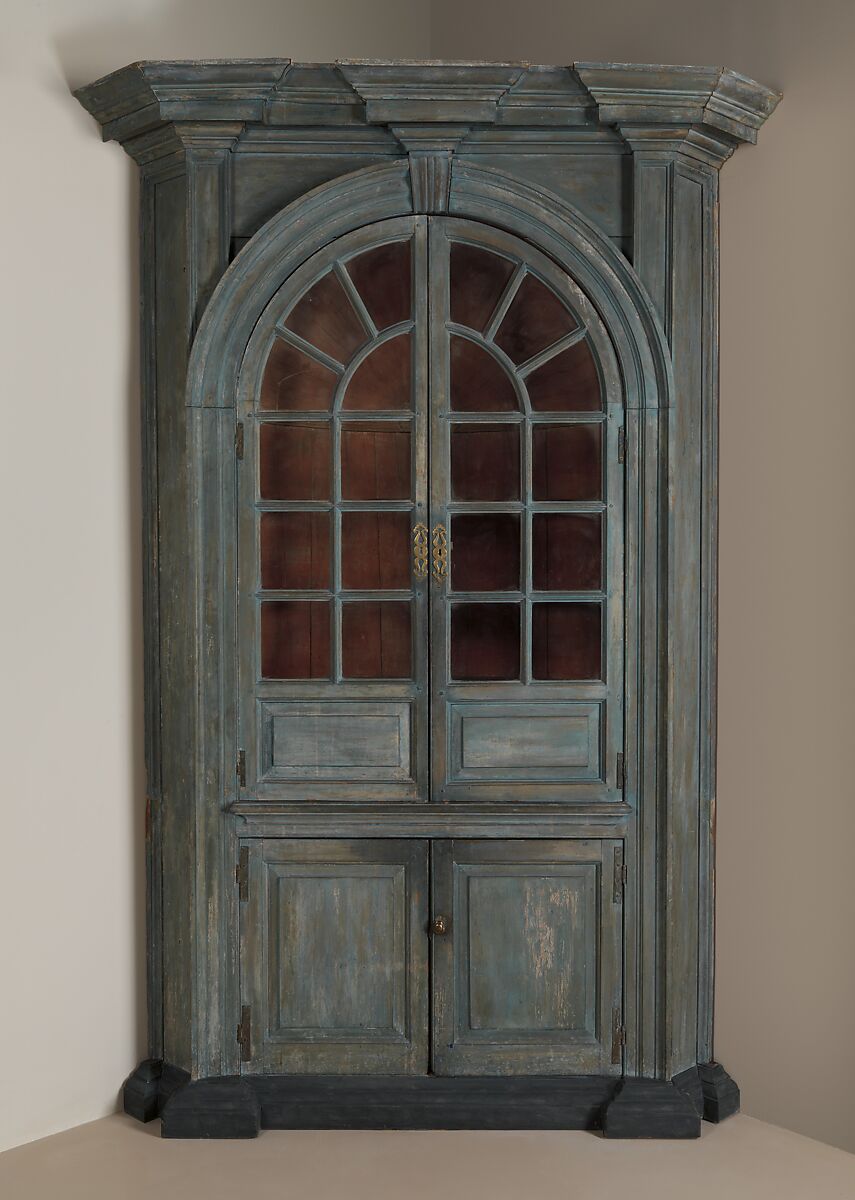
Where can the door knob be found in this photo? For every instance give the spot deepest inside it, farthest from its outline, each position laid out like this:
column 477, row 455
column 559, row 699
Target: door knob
column 440, row 925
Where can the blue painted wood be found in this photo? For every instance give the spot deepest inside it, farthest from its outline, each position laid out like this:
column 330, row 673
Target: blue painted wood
column 405, row 776
column 527, row 979
column 526, row 741
column 589, row 166
column 453, row 782
column 337, row 740
column 334, row 956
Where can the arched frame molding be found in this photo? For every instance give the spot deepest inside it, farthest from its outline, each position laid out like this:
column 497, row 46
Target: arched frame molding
column 377, row 193
column 274, row 253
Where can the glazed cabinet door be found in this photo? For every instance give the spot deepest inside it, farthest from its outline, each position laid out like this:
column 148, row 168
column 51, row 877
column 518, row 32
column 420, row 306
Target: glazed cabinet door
column 334, row 956
column 332, row 644
column 527, row 536
column 431, row 514
column 526, row 957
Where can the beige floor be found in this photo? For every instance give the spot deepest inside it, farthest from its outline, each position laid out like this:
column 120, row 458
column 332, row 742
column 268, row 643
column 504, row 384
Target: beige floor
column 117, row 1159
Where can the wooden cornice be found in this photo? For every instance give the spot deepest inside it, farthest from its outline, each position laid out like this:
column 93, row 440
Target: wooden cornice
column 402, row 93
column 704, row 112
column 140, row 98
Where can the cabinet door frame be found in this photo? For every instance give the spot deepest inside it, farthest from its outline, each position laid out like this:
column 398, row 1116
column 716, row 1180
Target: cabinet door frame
column 401, row 1049
column 592, row 713
column 596, row 708
column 458, row 1051
column 264, row 702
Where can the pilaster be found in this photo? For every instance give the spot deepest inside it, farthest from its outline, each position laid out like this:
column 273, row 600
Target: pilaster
column 682, row 124
column 207, row 157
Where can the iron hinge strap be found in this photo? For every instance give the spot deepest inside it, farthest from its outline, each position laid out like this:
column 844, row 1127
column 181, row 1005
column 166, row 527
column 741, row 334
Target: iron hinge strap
column 240, row 768
column 242, row 874
column 620, row 773
column 621, row 445
column 620, row 876
column 244, row 1033
column 618, row 1035
column 239, row 440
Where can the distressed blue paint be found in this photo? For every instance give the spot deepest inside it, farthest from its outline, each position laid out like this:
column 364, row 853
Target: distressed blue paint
column 610, row 172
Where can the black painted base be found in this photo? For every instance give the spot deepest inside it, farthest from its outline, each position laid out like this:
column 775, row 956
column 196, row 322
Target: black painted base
column 714, row 1094
column 147, row 1089
column 212, row 1108
column 651, row 1108
column 690, row 1083
column 721, row 1093
column 434, row 1102
column 238, row 1107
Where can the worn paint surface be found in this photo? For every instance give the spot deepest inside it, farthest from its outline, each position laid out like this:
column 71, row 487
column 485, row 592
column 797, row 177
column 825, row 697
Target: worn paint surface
column 530, row 974
column 608, row 173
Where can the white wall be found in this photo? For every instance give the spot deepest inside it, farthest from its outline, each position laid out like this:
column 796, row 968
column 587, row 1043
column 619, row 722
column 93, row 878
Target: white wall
column 71, row 990
column 71, row 884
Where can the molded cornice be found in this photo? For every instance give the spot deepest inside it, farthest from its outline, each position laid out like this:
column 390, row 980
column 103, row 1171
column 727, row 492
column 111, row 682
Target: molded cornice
column 401, row 92
column 139, row 98
column 703, row 112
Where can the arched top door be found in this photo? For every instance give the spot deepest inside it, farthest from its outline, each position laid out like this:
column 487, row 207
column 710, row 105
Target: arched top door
column 526, row 630
column 431, row 526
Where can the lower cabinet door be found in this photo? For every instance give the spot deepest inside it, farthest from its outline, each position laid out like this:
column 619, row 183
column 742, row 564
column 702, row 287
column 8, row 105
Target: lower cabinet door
column 334, row 971
column 526, row 964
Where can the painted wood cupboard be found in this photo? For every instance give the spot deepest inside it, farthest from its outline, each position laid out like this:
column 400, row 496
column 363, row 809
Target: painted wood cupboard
column 429, row 434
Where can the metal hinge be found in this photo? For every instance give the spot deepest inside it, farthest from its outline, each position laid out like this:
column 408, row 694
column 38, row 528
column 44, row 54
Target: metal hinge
column 620, row 876
column 618, row 1035
column 242, row 874
column 619, row 771
column 239, row 440
column 621, row 444
column 244, row 1033
column 240, row 768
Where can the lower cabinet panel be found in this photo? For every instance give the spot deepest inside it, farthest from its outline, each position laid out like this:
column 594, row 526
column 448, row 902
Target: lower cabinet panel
column 527, row 980
column 334, row 956
column 524, row 975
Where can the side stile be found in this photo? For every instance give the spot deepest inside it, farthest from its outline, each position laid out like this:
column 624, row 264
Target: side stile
column 211, row 468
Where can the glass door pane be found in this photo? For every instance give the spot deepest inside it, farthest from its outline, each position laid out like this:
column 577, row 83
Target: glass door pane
column 334, row 496
column 527, row 492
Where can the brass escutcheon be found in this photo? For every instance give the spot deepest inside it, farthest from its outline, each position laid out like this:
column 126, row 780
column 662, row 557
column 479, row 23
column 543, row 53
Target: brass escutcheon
column 420, row 551
column 440, row 553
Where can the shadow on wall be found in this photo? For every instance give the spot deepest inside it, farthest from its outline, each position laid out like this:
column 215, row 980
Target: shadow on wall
column 134, row 562
column 322, row 31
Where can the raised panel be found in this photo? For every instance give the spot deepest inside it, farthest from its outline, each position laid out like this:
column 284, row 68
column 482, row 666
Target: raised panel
column 527, row 951
column 334, row 955
column 525, row 741
column 528, row 979
column 336, row 936
column 335, row 740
